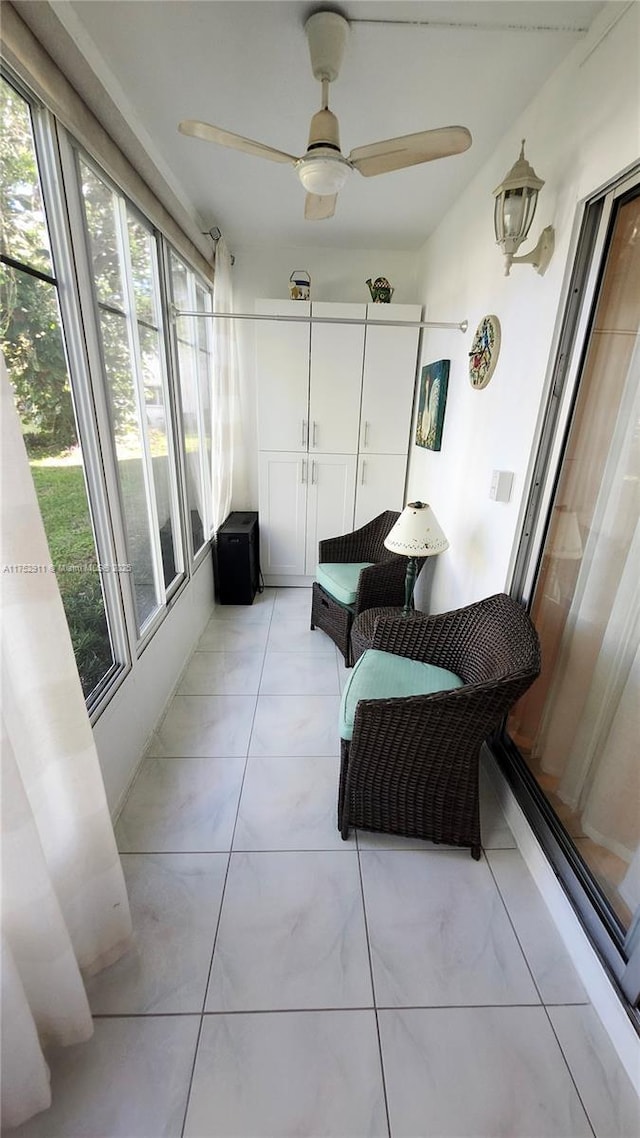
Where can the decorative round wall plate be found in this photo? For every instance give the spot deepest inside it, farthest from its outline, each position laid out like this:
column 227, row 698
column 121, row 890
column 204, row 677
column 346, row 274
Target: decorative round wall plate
column 485, row 349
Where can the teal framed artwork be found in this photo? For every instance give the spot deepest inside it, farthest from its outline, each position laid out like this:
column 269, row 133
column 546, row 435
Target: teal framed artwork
column 432, row 399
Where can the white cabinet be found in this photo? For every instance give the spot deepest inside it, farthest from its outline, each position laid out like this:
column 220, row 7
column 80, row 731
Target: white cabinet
column 283, row 513
column 380, row 485
column 336, row 379
column 303, row 499
column 334, row 414
column 282, row 375
column 388, row 380
column 332, row 482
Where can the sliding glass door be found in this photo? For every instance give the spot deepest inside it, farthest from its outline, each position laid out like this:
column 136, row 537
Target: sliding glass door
column 577, row 731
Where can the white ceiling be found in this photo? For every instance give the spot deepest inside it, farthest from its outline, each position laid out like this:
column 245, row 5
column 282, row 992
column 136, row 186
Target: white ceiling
column 244, row 65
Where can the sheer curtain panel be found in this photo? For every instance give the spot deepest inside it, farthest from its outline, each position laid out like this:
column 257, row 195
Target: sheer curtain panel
column 225, row 388
column 65, row 911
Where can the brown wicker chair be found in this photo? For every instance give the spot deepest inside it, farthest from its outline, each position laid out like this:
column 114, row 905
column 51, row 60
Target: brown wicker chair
column 411, row 767
column 382, row 583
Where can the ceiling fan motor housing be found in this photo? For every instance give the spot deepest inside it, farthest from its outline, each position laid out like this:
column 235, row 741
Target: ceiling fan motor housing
column 324, row 131
column 327, row 36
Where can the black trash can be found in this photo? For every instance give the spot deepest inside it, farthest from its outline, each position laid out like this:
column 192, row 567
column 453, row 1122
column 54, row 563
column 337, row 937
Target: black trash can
column 238, row 558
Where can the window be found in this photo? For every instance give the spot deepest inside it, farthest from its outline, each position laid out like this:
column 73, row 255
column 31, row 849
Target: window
column 123, row 484
column 34, row 347
column 575, row 763
column 194, row 354
column 124, row 265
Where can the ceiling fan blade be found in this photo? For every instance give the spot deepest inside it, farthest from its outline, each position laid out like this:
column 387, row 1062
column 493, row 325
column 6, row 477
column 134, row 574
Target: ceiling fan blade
column 410, row 150
column 317, row 207
column 211, row 133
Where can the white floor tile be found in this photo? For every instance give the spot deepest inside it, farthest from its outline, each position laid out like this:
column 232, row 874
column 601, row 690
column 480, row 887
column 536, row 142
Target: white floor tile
column 608, row 1094
column 477, row 1073
column 343, row 671
column 539, row 938
column 181, row 806
column 494, row 829
column 292, row 604
column 129, row 1081
column 296, row 725
column 289, row 635
column 290, row 1075
column 175, row 901
column 439, row 933
column 261, row 609
column 370, row 840
column 206, row 725
column 234, row 635
column 289, row 1044
column 291, row 934
column 289, row 804
column 296, row 673
column 222, row 673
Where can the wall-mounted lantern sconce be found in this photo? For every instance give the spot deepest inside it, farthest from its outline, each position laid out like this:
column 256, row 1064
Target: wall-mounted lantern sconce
column 515, row 206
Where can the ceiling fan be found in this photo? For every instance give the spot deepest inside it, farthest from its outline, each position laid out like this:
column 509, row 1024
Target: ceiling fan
column 323, row 170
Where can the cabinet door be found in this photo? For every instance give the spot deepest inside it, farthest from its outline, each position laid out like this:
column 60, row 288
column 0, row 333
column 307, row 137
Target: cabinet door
column 390, row 356
column 380, row 485
column 332, row 479
column 282, row 376
column 283, row 507
column 336, row 379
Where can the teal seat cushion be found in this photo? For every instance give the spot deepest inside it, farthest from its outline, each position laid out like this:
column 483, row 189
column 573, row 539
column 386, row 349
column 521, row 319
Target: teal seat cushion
column 383, row 675
column 341, row 580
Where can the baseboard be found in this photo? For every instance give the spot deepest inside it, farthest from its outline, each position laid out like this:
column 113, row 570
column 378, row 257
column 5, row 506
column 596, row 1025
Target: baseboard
column 602, row 994
column 282, row 580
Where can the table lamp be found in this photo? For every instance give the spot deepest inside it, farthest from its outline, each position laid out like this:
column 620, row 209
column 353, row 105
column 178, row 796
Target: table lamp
column 416, row 534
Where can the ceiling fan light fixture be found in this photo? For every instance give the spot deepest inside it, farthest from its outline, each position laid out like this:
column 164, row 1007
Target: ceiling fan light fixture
column 323, row 174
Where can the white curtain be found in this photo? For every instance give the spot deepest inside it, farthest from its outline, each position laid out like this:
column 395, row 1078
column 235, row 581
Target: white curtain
column 65, row 911
column 188, row 363
column 590, row 730
column 225, row 387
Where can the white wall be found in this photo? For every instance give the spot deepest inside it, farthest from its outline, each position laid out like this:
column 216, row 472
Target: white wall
column 581, row 131
column 336, row 274
column 124, row 729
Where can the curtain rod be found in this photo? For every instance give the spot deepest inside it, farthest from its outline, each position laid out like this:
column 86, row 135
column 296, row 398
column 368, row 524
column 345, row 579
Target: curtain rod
column 461, row 326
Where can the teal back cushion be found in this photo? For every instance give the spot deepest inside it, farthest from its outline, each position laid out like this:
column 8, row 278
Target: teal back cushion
column 383, row 675
column 341, row 580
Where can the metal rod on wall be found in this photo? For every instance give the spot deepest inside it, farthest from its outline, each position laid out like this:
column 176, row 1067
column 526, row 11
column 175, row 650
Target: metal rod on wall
column 460, row 327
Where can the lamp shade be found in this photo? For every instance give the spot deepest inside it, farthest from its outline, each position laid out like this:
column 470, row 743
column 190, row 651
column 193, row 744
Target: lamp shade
column 416, row 533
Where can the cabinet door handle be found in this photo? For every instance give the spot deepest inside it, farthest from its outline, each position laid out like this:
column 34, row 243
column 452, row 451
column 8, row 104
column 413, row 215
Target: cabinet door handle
column 315, row 434
column 366, row 433
column 304, row 433
column 303, row 466
column 313, row 472
column 362, row 470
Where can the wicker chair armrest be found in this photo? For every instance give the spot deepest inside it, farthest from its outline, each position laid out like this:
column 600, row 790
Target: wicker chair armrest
column 410, row 638
column 468, row 641
column 430, row 727
column 461, row 717
column 381, row 585
column 364, row 544
column 337, row 549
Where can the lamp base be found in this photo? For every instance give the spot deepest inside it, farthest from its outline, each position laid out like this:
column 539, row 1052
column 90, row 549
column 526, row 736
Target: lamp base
column 409, row 582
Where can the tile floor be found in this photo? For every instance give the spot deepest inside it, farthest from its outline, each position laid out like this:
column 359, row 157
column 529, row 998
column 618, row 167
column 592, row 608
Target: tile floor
column 286, row 983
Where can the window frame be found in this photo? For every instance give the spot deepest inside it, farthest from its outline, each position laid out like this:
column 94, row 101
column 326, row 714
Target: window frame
column 74, row 153
column 58, row 154
column 618, row 953
column 194, row 278
column 64, row 280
